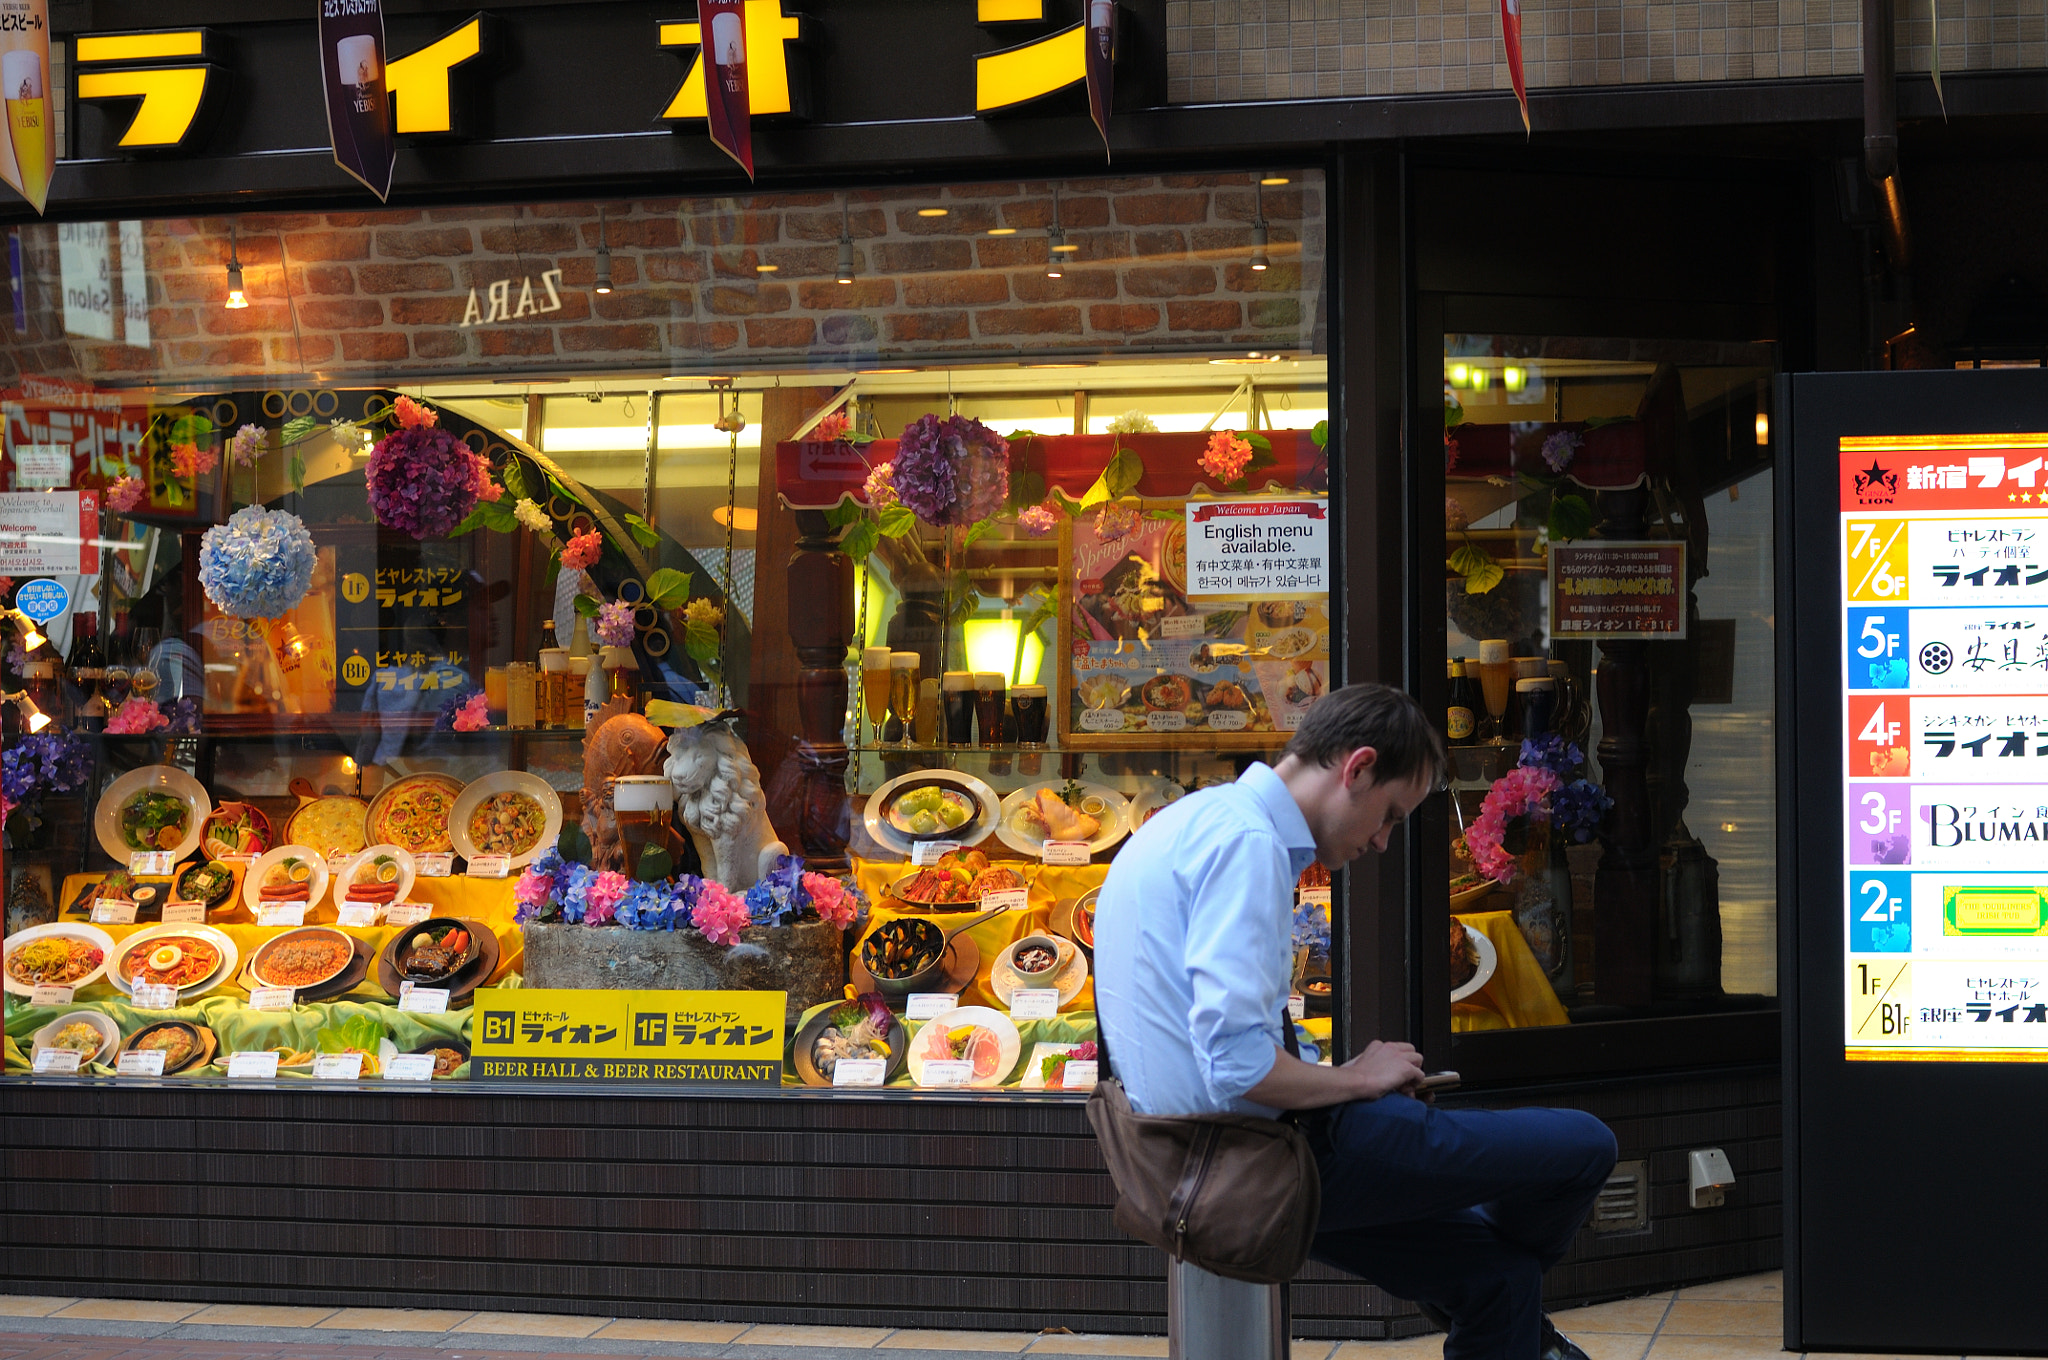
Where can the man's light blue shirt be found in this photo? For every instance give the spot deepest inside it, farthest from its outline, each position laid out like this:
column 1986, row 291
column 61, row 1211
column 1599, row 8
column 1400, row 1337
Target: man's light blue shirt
column 1194, row 932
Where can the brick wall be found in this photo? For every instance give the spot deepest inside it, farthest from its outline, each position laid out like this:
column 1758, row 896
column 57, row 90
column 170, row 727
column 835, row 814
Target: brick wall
column 1163, row 265
column 1305, row 49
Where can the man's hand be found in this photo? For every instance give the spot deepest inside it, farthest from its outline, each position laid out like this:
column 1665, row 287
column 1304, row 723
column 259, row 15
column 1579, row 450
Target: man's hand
column 1385, row 1069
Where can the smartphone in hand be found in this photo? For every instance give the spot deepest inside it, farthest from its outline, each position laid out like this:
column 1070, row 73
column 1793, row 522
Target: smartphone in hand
column 1438, row 1081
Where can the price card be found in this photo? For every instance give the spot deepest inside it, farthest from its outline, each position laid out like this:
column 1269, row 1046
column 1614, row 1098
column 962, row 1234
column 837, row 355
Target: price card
column 258, row 1065
column 338, row 1066
column 1184, row 626
column 409, row 1067
column 1316, row 897
column 58, row 1061
column 282, row 914
column 433, row 866
column 1078, row 1076
column 270, row 999
column 1064, row 852
column 152, row 863
column 425, row 1000
column 106, row 913
column 1008, row 899
column 1102, row 720
column 1227, row 720
column 1171, row 720
column 1289, row 722
column 1297, row 1006
column 925, row 853
column 141, row 1064
column 155, row 996
column 356, row 914
column 948, row 1072
column 406, row 913
column 860, row 1071
column 184, row 913
column 490, row 866
column 1034, row 1003
column 50, row 994
column 927, row 1005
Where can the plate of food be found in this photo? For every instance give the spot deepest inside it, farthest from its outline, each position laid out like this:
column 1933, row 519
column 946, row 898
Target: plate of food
column 1046, row 1071
column 1166, row 693
column 933, row 807
column 860, row 1028
column 290, row 873
column 883, row 830
column 414, row 813
column 158, row 807
column 333, row 826
column 955, row 883
column 210, row 882
column 1468, row 889
column 1288, row 643
column 434, row 951
column 61, row 954
column 1063, row 810
column 182, row 1043
column 91, row 1035
column 235, row 829
column 509, row 813
column 972, row 1034
column 1025, row 964
column 1148, row 801
column 1473, row 959
column 194, row 959
column 303, row 958
column 380, row 875
column 448, row 1054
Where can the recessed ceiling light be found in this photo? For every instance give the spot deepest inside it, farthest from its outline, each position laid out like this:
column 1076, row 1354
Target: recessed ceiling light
column 766, row 268
column 1066, row 248
column 1002, row 231
column 1088, row 364
column 869, row 372
column 1274, row 179
column 931, row 212
column 1252, row 358
column 746, row 519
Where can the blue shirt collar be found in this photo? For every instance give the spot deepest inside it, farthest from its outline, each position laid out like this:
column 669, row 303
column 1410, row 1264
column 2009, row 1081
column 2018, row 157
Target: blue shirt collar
column 1270, row 792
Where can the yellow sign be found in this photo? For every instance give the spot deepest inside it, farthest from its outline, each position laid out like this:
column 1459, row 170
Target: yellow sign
column 768, row 31
column 702, row 1038
column 1031, row 70
column 1994, row 911
column 1880, row 1000
column 418, row 82
column 1877, row 565
column 171, row 95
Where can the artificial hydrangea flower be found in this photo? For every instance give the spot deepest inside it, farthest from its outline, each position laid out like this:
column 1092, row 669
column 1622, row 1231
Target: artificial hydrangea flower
column 833, row 428
column 615, row 624
column 719, row 914
column 1116, row 520
column 1560, row 449
column 414, row 415
column 189, row 460
column 135, row 716
column 474, row 715
column 704, row 612
column 1518, row 793
column 881, row 486
column 424, row 481
column 124, row 495
column 951, row 470
column 581, row 552
column 247, row 446
column 184, row 717
column 1133, row 422
column 532, row 516
column 348, row 436
column 1038, row 520
column 829, row 898
column 1226, row 456
column 259, row 564
column 601, row 898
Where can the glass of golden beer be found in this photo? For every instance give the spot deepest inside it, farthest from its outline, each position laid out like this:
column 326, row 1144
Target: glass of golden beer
column 874, row 686
column 644, row 805
column 903, row 677
column 28, row 121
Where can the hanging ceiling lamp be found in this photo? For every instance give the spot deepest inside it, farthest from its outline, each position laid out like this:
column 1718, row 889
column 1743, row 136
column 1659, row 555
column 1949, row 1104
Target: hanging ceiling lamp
column 237, row 298
column 603, row 282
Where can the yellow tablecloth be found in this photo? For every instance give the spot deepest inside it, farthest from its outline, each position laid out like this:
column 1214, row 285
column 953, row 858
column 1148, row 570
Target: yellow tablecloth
column 1048, row 885
column 1518, row 995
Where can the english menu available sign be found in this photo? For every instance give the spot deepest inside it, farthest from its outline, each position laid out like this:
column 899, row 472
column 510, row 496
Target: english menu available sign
column 1944, row 599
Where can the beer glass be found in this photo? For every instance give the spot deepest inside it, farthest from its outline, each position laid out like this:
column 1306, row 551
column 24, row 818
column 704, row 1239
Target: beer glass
column 1496, row 672
column 1028, row 711
column 956, row 696
column 988, row 706
column 903, row 667
column 644, row 805
column 874, row 686
column 28, row 121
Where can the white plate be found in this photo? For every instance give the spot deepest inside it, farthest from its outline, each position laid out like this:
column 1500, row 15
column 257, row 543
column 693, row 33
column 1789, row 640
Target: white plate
column 1070, row 977
column 110, row 1034
column 1115, row 816
column 1007, row 1039
column 1489, row 959
column 169, row 779
column 252, row 882
column 68, row 930
column 1034, row 1078
column 407, row 870
column 1157, row 793
column 506, row 781
column 889, row 838
column 230, row 957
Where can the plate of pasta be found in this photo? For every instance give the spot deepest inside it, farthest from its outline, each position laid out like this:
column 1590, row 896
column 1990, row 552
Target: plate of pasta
column 510, row 813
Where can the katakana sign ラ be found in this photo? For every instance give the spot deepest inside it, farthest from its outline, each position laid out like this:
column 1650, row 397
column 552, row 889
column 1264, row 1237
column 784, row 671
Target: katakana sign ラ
column 698, row 1038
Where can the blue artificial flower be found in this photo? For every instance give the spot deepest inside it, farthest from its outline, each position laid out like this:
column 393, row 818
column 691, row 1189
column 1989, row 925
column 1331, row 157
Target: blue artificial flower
column 445, row 722
column 1553, row 753
column 258, row 565
column 184, row 717
column 576, row 892
column 1578, row 808
column 1311, row 927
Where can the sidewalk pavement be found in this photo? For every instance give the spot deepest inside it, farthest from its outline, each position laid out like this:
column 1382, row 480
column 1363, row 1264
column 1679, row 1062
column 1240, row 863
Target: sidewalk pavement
column 1732, row 1320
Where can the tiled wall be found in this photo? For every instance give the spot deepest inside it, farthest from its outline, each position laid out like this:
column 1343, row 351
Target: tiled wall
column 1220, row 50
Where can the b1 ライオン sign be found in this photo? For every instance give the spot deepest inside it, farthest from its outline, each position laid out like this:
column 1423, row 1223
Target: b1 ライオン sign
column 701, row 1038
column 1266, row 547
column 1944, row 554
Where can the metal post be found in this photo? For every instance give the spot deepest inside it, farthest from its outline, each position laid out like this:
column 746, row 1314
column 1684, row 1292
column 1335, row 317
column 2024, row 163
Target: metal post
column 1211, row 1318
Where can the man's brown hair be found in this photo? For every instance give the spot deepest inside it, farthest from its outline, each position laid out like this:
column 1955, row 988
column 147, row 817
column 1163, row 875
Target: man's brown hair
column 1380, row 716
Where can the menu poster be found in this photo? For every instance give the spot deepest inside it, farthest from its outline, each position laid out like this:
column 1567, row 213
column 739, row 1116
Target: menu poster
column 49, row 533
column 1944, row 599
column 1146, row 664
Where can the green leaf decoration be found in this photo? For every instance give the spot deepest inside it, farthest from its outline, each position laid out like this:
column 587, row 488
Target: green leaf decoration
column 1320, row 435
column 1485, row 579
column 859, row 541
column 844, row 513
column 1125, row 471
column 700, row 640
column 515, row 479
column 668, row 588
column 573, row 845
column 655, row 864
column 1259, row 443
column 1570, row 517
column 298, row 428
column 1164, row 514
column 297, row 470
column 897, row 520
column 1468, row 559
column 1454, row 411
column 1026, row 490
column 586, row 606
column 471, row 522
column 975, row 533
column 643, row 533
column 358, row 1033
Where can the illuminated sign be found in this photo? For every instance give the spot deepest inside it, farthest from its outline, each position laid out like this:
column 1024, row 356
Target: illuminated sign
column 1944, row 599
column 420, row 83
column 166, row 70
column 701, row 1038
column 770, row 34
column 1031, row 70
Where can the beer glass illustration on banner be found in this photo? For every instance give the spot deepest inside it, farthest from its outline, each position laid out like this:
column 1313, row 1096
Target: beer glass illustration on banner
column 728, row 39
column 1102, row 26
column 28, row 121
column 356, row 61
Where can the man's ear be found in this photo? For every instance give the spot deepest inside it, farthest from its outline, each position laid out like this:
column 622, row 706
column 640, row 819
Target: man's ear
column 1359, row 764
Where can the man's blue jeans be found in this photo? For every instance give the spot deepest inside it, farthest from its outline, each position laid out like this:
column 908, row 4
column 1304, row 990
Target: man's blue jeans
column 1459, row 1209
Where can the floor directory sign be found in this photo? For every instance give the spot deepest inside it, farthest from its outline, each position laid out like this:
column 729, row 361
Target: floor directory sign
column 1944, row 542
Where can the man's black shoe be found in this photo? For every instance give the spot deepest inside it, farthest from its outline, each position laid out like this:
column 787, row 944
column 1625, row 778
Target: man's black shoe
column 1555, row 1345
column 1438, row 1318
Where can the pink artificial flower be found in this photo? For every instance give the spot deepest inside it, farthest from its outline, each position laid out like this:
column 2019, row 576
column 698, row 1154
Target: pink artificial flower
column 480, row 479
column 1115, row 520
column 833, row 428
column 881, row 486
column 582, row 551
column 124, row 495
column 247, row 446
column 1039, row 520
column 719, row 914
column 136, row 716
column 190, row 461
column 533, row 889
column 6, row 586
column 829, row 897
column 474, row 715
column 411, row 413
column 1226, row 456
column 1518, row 793
column 601, row 898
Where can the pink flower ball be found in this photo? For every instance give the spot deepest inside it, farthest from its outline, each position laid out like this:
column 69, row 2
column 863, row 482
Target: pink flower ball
column 474, row 715
column 582, row 551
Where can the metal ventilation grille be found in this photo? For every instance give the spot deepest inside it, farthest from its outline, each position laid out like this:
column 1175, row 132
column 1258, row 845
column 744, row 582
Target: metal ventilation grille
column 1624, row 1203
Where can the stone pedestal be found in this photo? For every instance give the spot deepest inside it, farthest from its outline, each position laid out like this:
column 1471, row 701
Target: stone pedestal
column 807, row 961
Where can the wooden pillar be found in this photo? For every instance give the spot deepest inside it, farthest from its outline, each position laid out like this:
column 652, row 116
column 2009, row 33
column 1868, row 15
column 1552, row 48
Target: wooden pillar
column 1625, row 886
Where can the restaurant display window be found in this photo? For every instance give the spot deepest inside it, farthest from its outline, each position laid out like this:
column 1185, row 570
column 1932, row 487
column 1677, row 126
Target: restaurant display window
column 1608, row 537
column 719, row 642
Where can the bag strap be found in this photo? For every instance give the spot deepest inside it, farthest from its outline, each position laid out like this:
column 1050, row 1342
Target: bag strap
column 1105, row 1071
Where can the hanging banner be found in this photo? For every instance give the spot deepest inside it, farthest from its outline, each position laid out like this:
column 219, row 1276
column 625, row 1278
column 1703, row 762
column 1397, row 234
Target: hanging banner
column 28, row 157
column 358, row 107
column 1511, row 39
column 1101, row 65
column 724, row 24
